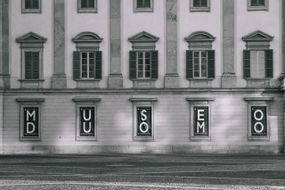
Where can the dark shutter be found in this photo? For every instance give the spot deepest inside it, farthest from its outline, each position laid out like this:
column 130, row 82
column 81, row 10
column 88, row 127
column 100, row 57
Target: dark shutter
column 154, row 64
column 211, row 63
column 132, row 65
column 98, row 69
column 35, row 65
column 76, row 65
column 246, row 63
column 28, row 65
column 269, row 63
column 189, row 64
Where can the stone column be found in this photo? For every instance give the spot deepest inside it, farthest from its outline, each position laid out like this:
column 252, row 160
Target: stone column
column 115, row 78
column 229, row 75
column 59, row 77
column 4, row 41
column 171, row 79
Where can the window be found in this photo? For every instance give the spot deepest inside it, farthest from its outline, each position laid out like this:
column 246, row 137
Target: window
column 30, row 118
column 143, row 58
column 87, row 6
column 258, row 111
column 199, row 5
column 87, row 59
column 200, row 59
column 257, row 5
column 200, row 120
column 31, row 6
column 143, row 5
column 258, row 58
column 86, row 109
column 31, row 59
column 143, row 118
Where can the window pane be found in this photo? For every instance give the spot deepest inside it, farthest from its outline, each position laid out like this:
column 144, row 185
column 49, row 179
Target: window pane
column 147, row 4
column 28, row 4
column 196, row 74
column 84, row 3
column 139, row 3
column 91, row 4
column 147, row 74
column 140, row 74
column 84, row 74
column 35, row 4
column 261, row 2
column 91, row 74
column 196, row 3
column 254, row 3
column 204, row 3
column 140, row 67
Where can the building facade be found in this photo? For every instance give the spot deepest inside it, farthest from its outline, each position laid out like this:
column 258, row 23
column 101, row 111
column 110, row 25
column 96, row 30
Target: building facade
column 133, row 76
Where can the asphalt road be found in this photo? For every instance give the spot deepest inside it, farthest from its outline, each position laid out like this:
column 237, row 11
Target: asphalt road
column 136, row 172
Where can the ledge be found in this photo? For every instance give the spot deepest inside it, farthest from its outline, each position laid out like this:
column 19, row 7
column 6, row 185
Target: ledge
column 86, row 99
column 143, row 99
column 259, row 98
column 200, row 99
column 30, row 99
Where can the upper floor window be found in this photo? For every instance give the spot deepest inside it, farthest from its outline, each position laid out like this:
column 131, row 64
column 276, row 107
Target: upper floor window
column 255, row 5
column 143, row 5
column 199, row 5
column 257, row 57
column 200, row 58
column 143, row 58
column 87, row 6
column 87, row 59
column 31, row 6
column 32, row 56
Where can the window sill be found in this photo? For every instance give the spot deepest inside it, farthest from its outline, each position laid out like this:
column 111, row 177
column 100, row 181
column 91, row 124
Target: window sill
column 200, row 79
column 87, row 11
column 257, row 9
column 86, row 80
column 141, row 10
column 31, row 11
column 31, row 83
column 200, row 9
column 143, row 139
column 200, row 138
column 258, row 138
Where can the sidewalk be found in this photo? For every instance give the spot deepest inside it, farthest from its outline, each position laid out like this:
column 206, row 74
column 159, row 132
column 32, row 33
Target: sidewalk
column 142, row 171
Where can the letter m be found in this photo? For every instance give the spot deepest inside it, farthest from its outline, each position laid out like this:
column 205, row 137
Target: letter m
column 201, row 126
column 31, row 115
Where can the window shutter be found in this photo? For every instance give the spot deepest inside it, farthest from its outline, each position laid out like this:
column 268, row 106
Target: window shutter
column 246, row 63
column 132, row 65
column 98, row 69
column 189, row 64
column 211, row 63
column 154, row 64
column 28, row 65
column 76, row 65
column 35, row 66
column 269, row 63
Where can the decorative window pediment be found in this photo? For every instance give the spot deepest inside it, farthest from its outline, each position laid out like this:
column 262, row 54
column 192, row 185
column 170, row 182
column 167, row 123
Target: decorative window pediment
column 257, row 36
column 200, row 39
column 143, row 37
column 143, row 40
column 31, row 39
column 87, row 40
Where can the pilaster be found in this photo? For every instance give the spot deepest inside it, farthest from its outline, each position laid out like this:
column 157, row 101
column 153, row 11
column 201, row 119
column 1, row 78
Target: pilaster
column 171, row 79
column 115, row 78
column 59, row 77
column 229, row 75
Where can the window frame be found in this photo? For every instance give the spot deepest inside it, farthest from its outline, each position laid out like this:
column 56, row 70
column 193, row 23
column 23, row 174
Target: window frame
column 144, row 65
column 253, row 102
column 199, row 102
column 24, row 10
column 88, row 64
column 147, row 9
column 143, row 102
column 87, row 10
column 200, row 64
column 200, row 9
column 26, row 103
column 257, row 8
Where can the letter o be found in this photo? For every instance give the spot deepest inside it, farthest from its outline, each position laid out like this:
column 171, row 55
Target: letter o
column 261, row 115
column 255, row 127
column 146, row 127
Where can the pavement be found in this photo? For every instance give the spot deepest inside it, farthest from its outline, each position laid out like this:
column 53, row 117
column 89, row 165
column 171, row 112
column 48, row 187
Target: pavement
column 142, row 171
